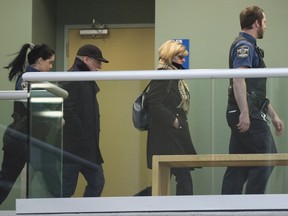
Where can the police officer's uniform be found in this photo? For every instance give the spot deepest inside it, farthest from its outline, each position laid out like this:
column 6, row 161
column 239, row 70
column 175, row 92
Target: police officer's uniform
column 258, row 139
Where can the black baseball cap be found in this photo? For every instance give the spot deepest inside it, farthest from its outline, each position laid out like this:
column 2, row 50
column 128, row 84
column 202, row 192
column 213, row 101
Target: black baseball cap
column 91, row 51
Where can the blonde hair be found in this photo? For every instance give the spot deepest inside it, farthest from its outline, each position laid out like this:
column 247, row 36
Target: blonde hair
column 170, row 49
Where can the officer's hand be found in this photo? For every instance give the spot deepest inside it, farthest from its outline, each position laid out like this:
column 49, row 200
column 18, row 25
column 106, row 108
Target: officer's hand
column 244, row 122
column 279, row 125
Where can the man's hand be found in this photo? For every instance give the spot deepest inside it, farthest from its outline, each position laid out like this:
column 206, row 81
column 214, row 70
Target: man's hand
column 240, row 94
column 276, row 121
column 244, row 122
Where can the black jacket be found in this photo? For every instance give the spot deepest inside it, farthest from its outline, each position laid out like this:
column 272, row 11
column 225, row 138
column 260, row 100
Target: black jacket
column 15, row 140
column 82, row 119
column 163, row 137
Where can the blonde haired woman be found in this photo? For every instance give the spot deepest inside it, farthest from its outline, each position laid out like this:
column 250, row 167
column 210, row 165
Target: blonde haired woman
column 168, row 103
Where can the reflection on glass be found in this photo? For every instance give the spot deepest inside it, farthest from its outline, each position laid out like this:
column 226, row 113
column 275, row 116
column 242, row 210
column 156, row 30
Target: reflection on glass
column 45, row 157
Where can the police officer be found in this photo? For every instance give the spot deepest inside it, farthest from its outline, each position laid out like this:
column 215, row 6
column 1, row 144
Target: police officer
column 247, row 108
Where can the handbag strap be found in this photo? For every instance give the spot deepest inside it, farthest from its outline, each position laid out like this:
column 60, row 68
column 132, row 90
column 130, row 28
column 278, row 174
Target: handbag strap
column 168, row 89
column 147, row 87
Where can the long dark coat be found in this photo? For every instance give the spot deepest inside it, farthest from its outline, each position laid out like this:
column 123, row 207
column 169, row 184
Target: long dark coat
column 163, row 137
column 82, row 119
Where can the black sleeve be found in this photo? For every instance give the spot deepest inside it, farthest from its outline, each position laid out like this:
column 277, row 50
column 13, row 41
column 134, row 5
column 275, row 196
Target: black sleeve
column 157, row 94
column 72, row 107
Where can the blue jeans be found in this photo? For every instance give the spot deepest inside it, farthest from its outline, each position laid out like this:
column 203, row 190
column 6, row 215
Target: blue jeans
column 94, row 178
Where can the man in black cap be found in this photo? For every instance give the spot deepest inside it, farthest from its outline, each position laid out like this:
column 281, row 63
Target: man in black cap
column 92, row 56
column 82, row 126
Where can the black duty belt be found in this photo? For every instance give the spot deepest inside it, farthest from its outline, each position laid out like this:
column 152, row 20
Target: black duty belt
column 253, row 99
column 259, row 102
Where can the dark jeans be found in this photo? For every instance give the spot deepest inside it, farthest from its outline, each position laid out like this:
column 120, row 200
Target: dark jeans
column 184, row 184
column 258, row 139
column 94, row 177
column 12, row 166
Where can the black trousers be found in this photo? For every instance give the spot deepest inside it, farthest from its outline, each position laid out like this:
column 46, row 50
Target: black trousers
column 184, row 183
column 183, row 178
column 258, row 139
column 12, row 166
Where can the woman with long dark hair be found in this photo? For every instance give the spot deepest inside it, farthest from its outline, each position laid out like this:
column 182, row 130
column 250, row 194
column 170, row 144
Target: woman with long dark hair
column 39, row 58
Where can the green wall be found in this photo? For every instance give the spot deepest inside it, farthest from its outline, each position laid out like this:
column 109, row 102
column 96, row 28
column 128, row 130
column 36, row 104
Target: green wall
column 16, row 29
column 44, row 20
column 211, row 26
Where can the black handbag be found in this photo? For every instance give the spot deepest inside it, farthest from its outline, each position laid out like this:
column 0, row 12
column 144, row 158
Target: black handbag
column 140, row 114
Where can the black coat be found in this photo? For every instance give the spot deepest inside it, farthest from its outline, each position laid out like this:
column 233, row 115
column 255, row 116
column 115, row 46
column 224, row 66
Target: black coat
column 82, row 119
column 15, row 142
column 163, row 137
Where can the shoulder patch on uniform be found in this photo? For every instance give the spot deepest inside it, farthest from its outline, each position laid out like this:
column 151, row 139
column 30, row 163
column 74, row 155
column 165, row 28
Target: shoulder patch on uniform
column 243, row 51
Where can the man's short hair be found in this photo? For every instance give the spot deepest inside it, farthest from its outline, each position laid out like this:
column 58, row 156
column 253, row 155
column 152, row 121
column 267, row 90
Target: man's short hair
column 249, row 15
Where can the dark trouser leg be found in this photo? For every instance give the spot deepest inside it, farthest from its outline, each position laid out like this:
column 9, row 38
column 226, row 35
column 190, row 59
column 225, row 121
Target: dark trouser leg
column 184, row 184
column 12, row 166
column 258, row 179
column 257, row 140
column 70, row 174
column 234, row 179
column 51, row 173
column 95, row 181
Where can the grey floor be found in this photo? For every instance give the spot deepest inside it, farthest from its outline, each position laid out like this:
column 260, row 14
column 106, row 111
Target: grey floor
column 248, row 205
column 261, row 213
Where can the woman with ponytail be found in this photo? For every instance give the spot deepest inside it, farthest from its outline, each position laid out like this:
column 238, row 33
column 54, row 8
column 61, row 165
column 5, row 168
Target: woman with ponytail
column 30, row 58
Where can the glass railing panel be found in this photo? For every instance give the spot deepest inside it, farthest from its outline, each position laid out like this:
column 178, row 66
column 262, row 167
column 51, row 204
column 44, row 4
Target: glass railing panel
column 45, row 144
column 124, row 147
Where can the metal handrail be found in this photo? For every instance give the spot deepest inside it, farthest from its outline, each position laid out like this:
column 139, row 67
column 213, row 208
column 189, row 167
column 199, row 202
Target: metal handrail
column 56, row 90
column 150, row 74
column 24, row 94
column 14, row 95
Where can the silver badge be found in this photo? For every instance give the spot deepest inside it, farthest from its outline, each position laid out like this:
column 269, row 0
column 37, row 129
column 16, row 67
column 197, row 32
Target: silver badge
column 24, row 85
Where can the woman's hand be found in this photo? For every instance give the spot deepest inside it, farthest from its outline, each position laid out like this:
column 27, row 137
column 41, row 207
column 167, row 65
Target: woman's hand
column 176, row 123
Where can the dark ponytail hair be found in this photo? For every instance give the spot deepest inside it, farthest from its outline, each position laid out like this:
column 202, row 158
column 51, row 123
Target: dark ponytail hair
column 18, row 65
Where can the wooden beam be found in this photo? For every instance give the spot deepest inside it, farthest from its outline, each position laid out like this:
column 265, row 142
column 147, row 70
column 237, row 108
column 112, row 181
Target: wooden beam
column 163, row 163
